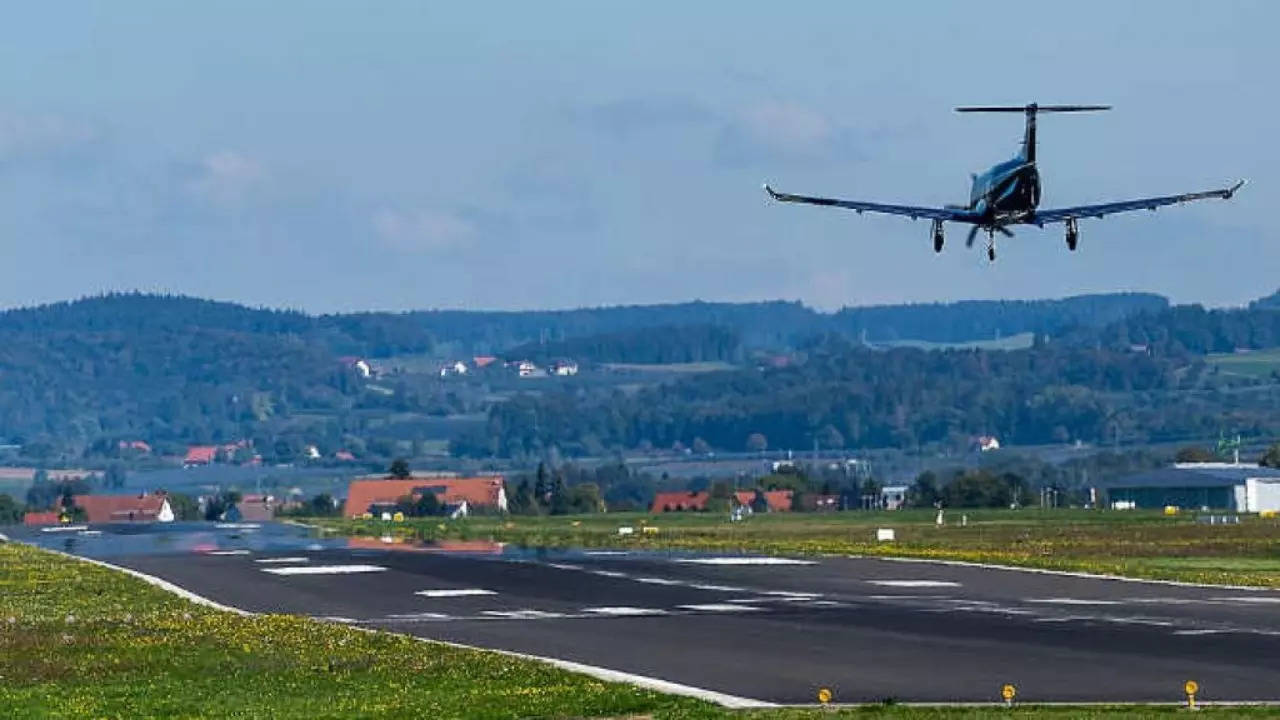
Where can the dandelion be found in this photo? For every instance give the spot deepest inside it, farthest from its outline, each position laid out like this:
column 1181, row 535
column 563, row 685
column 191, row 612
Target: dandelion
column 70, row 618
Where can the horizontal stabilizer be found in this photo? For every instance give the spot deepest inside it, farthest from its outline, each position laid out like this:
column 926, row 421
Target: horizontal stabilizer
column 1032, row 108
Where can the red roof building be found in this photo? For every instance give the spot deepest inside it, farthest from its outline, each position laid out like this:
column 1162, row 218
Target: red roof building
column 123, row 508
column 344, row 456
column 41, row 518
column 684, row 501
column 481, row 361
column 475, row 491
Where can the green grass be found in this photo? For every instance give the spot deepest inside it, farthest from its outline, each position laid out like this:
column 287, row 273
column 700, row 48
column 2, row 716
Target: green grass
column 82, row 641
column 1258, row 363
column 1135, row 544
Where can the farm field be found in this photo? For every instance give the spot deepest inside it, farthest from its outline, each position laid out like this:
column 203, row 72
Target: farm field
column 1139, row 544
column 1257, row 363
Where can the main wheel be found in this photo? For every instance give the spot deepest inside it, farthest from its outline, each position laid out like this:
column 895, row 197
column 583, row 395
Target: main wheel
column 991, row 254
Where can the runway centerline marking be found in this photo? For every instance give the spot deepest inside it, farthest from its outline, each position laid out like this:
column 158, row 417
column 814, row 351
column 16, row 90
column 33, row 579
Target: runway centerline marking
column 720, row 607
column 522, row 614
column 624, row 611
column 1072, row 601
column 324, row 569
column 914, row 583
column 282, row 560
column 609, row 573
column 658, row 581
column 719, row 588
column 228, row 552
column 454, row 592
column 746, row 561
column 1257, row 600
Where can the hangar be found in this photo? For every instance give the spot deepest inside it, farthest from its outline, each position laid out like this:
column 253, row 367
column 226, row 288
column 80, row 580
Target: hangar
column 1216, row 486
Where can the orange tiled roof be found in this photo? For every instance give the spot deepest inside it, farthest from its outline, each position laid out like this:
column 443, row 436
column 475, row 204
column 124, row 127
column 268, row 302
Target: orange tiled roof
column 479, row 491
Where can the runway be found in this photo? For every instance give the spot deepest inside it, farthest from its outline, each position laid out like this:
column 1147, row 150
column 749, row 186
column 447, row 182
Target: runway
column 767, row 629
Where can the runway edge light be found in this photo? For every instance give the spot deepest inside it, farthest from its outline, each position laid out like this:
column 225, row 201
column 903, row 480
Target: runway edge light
column 1008, row 692
column 824, row 695
column 1191, row 688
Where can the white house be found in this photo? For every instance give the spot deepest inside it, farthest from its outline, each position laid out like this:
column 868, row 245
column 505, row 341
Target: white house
column 564, row 368
column 526, row 368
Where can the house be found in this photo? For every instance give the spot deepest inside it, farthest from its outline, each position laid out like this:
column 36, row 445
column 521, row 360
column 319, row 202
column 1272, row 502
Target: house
column 134, row 446
column 686, row 501
column 125, row 508
column 200, row 455
column 344, row 456
column 893, row 497
column 483, row 361
column 1245, row 487
column 52, row 517
column 358, row 365
column 454, row 368
column 312, row 453
column 680, row 501
column 986, row 443
column 564, row 368
column 260, row 508
column 526, row 369
column 475, row 492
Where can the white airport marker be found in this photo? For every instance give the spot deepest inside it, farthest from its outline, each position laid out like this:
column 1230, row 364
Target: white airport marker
column 282, row 560
column 659, row 581
column 746, row 561
column 522, row 614
column 228, row 552
column 914, row 583
column 324, row 569
column 1072, row 601
column 623, row 611
column 456, row 592
column 720, row 607
column 720, row 588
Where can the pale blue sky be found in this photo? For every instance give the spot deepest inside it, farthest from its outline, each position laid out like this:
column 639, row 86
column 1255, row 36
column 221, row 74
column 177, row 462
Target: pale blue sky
column 335, row 156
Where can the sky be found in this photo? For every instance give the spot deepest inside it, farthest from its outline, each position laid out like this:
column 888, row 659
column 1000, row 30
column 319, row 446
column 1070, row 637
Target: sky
column 334, row 156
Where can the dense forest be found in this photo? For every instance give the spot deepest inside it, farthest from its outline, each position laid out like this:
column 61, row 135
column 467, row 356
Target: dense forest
column 75, row 377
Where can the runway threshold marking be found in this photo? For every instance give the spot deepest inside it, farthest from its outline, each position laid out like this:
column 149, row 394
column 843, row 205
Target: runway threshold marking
column 456, row 592
column 324, row 569
column 914, row 583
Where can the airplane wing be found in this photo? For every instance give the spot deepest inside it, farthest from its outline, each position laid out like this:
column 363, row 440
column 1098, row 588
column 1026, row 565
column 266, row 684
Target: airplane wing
column 1043, row 217
column 860, row 207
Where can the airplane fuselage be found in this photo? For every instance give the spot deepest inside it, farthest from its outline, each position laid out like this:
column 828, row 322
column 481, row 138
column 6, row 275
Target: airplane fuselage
column 1006, row 193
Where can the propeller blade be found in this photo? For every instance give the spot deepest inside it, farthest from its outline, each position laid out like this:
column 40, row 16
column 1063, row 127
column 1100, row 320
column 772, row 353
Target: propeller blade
column 973, row 233
column 1004, row 231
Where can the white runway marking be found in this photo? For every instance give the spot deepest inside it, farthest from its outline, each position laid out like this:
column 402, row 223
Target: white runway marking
column 419, row 616
column 64, row 528
column 324, row 569
column 457, row 592
column 90, row 532
column 719, row 588
column 282, row 560
column 605, row 552
column 1258, row 600
column 1071, row 601
column 228, row 552
column 914, row 583
column 237, row 526
column 790, row 594
column 564, row 566
column 658, row 581
column 344, row 620
column 746, row 561
column 609, row 573
column 623, row 611
column 522, row 614
column 720, row 607
column 1197, row 632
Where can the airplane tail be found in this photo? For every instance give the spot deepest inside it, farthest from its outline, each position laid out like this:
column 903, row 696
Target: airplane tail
column 1029, row 135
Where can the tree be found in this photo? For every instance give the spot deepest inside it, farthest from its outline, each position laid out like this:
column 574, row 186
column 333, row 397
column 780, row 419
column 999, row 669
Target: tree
column 1194, row 454
column 757, row 442
column 1271, row 458
column 924, row 492
column 426, row 505
column 114, row 476
column 400, row 469
column 322, row 505
column 10, row 511
column 183, row 507
column 700, row 446
column 830, row 438
column 720, row 497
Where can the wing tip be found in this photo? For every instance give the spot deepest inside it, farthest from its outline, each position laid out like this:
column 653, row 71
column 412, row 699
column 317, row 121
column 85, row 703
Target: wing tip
column 771, row 191
column 1239, row 184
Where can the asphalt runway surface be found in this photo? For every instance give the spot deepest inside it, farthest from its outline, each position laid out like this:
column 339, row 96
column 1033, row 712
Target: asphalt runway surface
column 767, row 629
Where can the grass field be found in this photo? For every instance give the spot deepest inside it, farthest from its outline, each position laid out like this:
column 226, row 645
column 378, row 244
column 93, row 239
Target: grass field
column 1130, row 543
column 1258, row 363
column 82, row 641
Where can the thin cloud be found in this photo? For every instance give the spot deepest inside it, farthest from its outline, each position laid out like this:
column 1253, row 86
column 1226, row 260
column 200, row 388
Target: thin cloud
column 423, row 230
column 775, row 133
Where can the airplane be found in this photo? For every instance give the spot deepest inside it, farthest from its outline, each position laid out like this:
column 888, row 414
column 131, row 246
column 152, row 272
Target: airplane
column 1009, row 193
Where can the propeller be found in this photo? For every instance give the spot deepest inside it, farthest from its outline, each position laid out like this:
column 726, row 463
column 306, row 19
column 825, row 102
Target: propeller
column 973, row 234
column 1004, row 231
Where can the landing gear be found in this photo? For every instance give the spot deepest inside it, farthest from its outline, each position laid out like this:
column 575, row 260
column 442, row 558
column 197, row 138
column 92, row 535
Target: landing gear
column 991, row 245
column 937, row 236
column 1073, row 234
